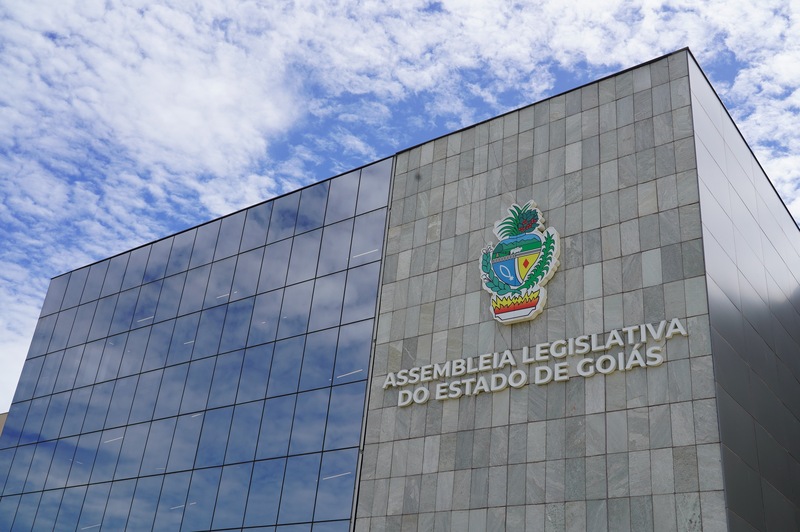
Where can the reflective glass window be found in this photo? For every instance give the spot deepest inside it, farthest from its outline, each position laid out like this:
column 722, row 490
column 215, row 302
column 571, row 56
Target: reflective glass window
column 336, row 485
column 344, row 416
column 232, row 496
column 40, row 464
column 181, row 252
column 284, row 215
column 121, row 401
column 335, row 249
column 98, row 407
column 156, row 453
column 326, row 307
column 47, row 377
column 276, row 426
column 130, row 455
column 312, row 207
column 62, row 461
column 55, row 294
column 230, row 235
column 204, row 243
column 48, row 509
column 145, row 501
column 70, row 508
column 119, row 505
column 368, row 238
column 84, row 459
column 8, row 509
column 82, row 324
column 374, row 190
column 62, row 329
column 69, row 368
column 14, row 423
column 194, row 290
column 255, row 373
column 183, row 338
column 352, row 353
column 256, row 226
column 244, row 432
column 107, row 454
column 308, row 428
column 170, row 297
column 172, row 386
column 116, row 270
column 219, row 282
column 295, row 308
column 158, row 345
column 198, row 383
column 237, row 325
column 26, row 511
column 34, row 421
column 275, row 266
column 342, row 197
column 266, row 316
column 201, row 499
column 157, row 262
column 19, row 470
column 286, row 362
column 226, row 379
column 27, row 380
column 146, row 305
column 76, row 411
column 123, row 313
column 305, row 253
column 56, row 410
column 77, row 280
column 42, row 335
column 184, row 444
column 137, row 262
column 101, row 322
column 214, row 438
column 265, row 493
column 361, row 293
column 144, row 402
column 245, row 280
column 94, row 282
column 112, row 357
column 90, row 362
column 209, row 332
column 299, row 489
column 134, row 352
column 320, row 352
column 172, row 502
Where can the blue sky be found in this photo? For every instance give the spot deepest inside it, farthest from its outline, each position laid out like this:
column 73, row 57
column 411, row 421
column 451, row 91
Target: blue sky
column 123, row 121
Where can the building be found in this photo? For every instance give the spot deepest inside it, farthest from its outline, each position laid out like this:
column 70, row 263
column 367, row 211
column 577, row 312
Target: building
column 355, row 355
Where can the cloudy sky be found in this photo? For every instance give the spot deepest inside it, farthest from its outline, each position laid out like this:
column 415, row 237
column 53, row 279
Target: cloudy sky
column 124, row 121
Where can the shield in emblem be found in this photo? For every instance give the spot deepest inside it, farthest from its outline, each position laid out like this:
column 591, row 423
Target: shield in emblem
column 514, row 257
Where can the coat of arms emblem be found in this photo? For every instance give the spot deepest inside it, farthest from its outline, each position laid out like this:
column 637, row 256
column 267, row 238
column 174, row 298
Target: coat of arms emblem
column 516, row 269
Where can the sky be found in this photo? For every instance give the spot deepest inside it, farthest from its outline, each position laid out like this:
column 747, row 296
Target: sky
column 122, row 121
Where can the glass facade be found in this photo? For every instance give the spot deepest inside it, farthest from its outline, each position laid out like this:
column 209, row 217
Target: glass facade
column 212, row 380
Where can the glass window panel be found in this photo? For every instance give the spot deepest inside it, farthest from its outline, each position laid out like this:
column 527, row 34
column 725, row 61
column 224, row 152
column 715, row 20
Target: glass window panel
column 40, row 464
column 245, row 280
column 295, row 308
column 26, row 385
column 172, row 385
column 55, row 416
column 181, row 252
column 123, row 313
column 47, row 511
column 342, row 197
column 214, row 438
column 198, row 383
column 114, row 275
column 158, row 345
column 219, row 282
column 344, row 417
column 76, row 411
column 62, row 329
column 226, row 379
column 299, row 489
column 8, row 509
column 275, row 266
column 134, row 352
column 286, row 362
column 77, row 280
column 101, row 322
column 361, row 293
column 172, row 502
column 311, row 213
column 156, row 453
column 55, row 294
column 204, row 243
column 119, row 505
column 237, row 325
column 265, row 493
column 368, row 233
column 121, row 401
column 26, row 512
column 183, row 338
column 326, row 308
column 94, row 282
column 374, row 189
column 184, row 445
column 256, row 226
column 276, row 426
column 98, row 407
column 130, row 455
column 195, row 290
column 266, row 316
column 352, row 354
column 90, row 362
column 320, row 352
column 157, row 262
column 244, row 432
column 336, row 485
column 69, row 368
column 112, row 357
column 93, row 506
column 145, row 502
column 14, row 423
column 34, row 421
column 62, row 461
column 82, row 324
column 209, row 332
column 232, row 496
column 305, row 252
column 146, row 393
column 335, row 248
column 308, row 428
column 70, row 508
column 42, row 335
column 170, row 297
column 230, row 235
column 19, row 470
column 83, row 459
column 201, row 499
column 107, row 454
column 47, row 377
column 284, row 214
column 255, row 373
column 134, row 273
column 146, row 305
